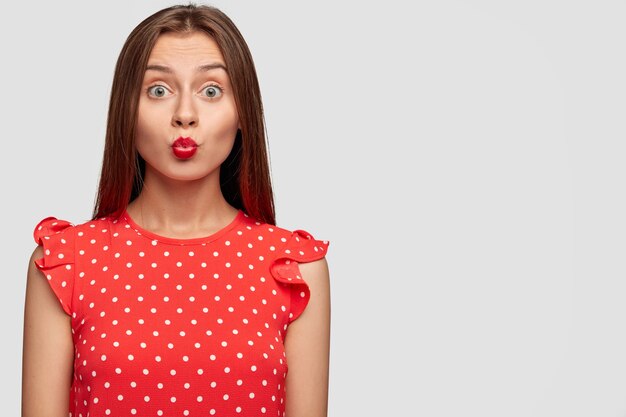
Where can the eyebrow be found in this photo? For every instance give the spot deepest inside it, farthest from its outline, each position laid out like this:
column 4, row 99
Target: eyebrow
column 201, row 68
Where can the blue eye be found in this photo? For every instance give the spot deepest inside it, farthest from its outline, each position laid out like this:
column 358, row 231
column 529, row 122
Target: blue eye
column 158, row 90
column 213, row 91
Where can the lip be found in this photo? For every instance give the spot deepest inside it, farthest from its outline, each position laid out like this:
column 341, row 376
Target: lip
column 184, row 147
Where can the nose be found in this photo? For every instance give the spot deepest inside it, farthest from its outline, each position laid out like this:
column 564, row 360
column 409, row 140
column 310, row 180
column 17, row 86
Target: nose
column 185, row 114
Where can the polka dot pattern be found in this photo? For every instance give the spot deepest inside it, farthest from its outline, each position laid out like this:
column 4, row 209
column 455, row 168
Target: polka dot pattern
column 177, row 327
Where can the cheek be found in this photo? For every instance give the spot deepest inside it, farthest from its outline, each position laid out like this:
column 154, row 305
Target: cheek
column 144, row 130
column 220, row 129
column 145, row 119
column 220, row 121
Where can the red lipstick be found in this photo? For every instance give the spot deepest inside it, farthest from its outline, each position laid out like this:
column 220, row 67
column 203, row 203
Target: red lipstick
column 184, row 148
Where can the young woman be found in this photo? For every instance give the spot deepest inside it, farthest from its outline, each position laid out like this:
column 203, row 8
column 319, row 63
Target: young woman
column 180, row 297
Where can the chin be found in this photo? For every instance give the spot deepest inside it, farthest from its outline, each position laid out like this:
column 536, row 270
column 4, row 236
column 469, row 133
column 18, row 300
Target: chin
column 177, row 171
column 189, row 176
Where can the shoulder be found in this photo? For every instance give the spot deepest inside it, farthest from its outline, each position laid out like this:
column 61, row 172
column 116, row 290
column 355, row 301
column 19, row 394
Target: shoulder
column 264, row 231
column 56, row 255
column 55, row 228
column 58, row 239
column 297, row 262
column 50, row 227
column 297, row 244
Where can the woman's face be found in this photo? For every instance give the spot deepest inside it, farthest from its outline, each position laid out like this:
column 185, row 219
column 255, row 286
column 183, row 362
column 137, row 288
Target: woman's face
column 186, row 93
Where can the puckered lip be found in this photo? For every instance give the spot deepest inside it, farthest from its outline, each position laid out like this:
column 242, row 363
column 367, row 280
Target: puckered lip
column 184, row 142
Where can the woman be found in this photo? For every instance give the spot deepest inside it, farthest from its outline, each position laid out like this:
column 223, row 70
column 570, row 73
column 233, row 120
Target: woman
column 180, row 296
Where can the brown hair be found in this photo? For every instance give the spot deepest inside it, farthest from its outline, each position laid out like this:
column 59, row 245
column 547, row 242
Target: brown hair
column 244, row 175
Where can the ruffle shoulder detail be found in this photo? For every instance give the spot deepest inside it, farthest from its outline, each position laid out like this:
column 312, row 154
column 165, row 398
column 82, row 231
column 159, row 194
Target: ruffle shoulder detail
column 300, row 247
column 57, row 237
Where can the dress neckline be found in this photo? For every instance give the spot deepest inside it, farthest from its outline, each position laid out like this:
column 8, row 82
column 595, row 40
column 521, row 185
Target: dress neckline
column 239, row 217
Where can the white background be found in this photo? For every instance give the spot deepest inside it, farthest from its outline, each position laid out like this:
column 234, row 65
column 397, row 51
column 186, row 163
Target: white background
column 464, row 158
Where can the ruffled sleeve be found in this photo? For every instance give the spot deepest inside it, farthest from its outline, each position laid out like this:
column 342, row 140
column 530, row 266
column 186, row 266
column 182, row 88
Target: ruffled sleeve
column 57, row 238
column 300, row 247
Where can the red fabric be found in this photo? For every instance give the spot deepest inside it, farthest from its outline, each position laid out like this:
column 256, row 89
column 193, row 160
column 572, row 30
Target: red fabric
column 177, row 327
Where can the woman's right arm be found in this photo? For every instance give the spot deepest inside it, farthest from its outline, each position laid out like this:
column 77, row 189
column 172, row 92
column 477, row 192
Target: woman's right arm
column 48, row 349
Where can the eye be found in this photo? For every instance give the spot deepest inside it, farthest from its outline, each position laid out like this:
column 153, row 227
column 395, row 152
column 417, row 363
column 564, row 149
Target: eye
column 157, row 90
column 213, row 91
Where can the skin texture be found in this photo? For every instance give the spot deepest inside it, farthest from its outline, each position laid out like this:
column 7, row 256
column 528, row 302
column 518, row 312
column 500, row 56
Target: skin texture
column 47, row 350
column 180, row 199
column 307, row 347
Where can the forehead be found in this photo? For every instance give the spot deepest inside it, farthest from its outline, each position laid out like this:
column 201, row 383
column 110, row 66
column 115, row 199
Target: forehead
column 176, row 48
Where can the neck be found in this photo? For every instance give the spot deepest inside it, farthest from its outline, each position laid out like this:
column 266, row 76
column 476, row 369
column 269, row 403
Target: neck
column 181, row 208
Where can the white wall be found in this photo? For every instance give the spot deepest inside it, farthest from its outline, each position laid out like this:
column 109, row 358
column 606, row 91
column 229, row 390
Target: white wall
column 465, row 159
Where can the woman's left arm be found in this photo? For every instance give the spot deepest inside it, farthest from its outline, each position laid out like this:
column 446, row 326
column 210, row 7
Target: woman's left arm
column 307, row 347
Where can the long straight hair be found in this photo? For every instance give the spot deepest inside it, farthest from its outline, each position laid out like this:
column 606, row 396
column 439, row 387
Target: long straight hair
column 245, row 174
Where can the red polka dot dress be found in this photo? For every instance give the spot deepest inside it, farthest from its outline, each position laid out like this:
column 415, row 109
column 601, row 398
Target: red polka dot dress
column 177, row 327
